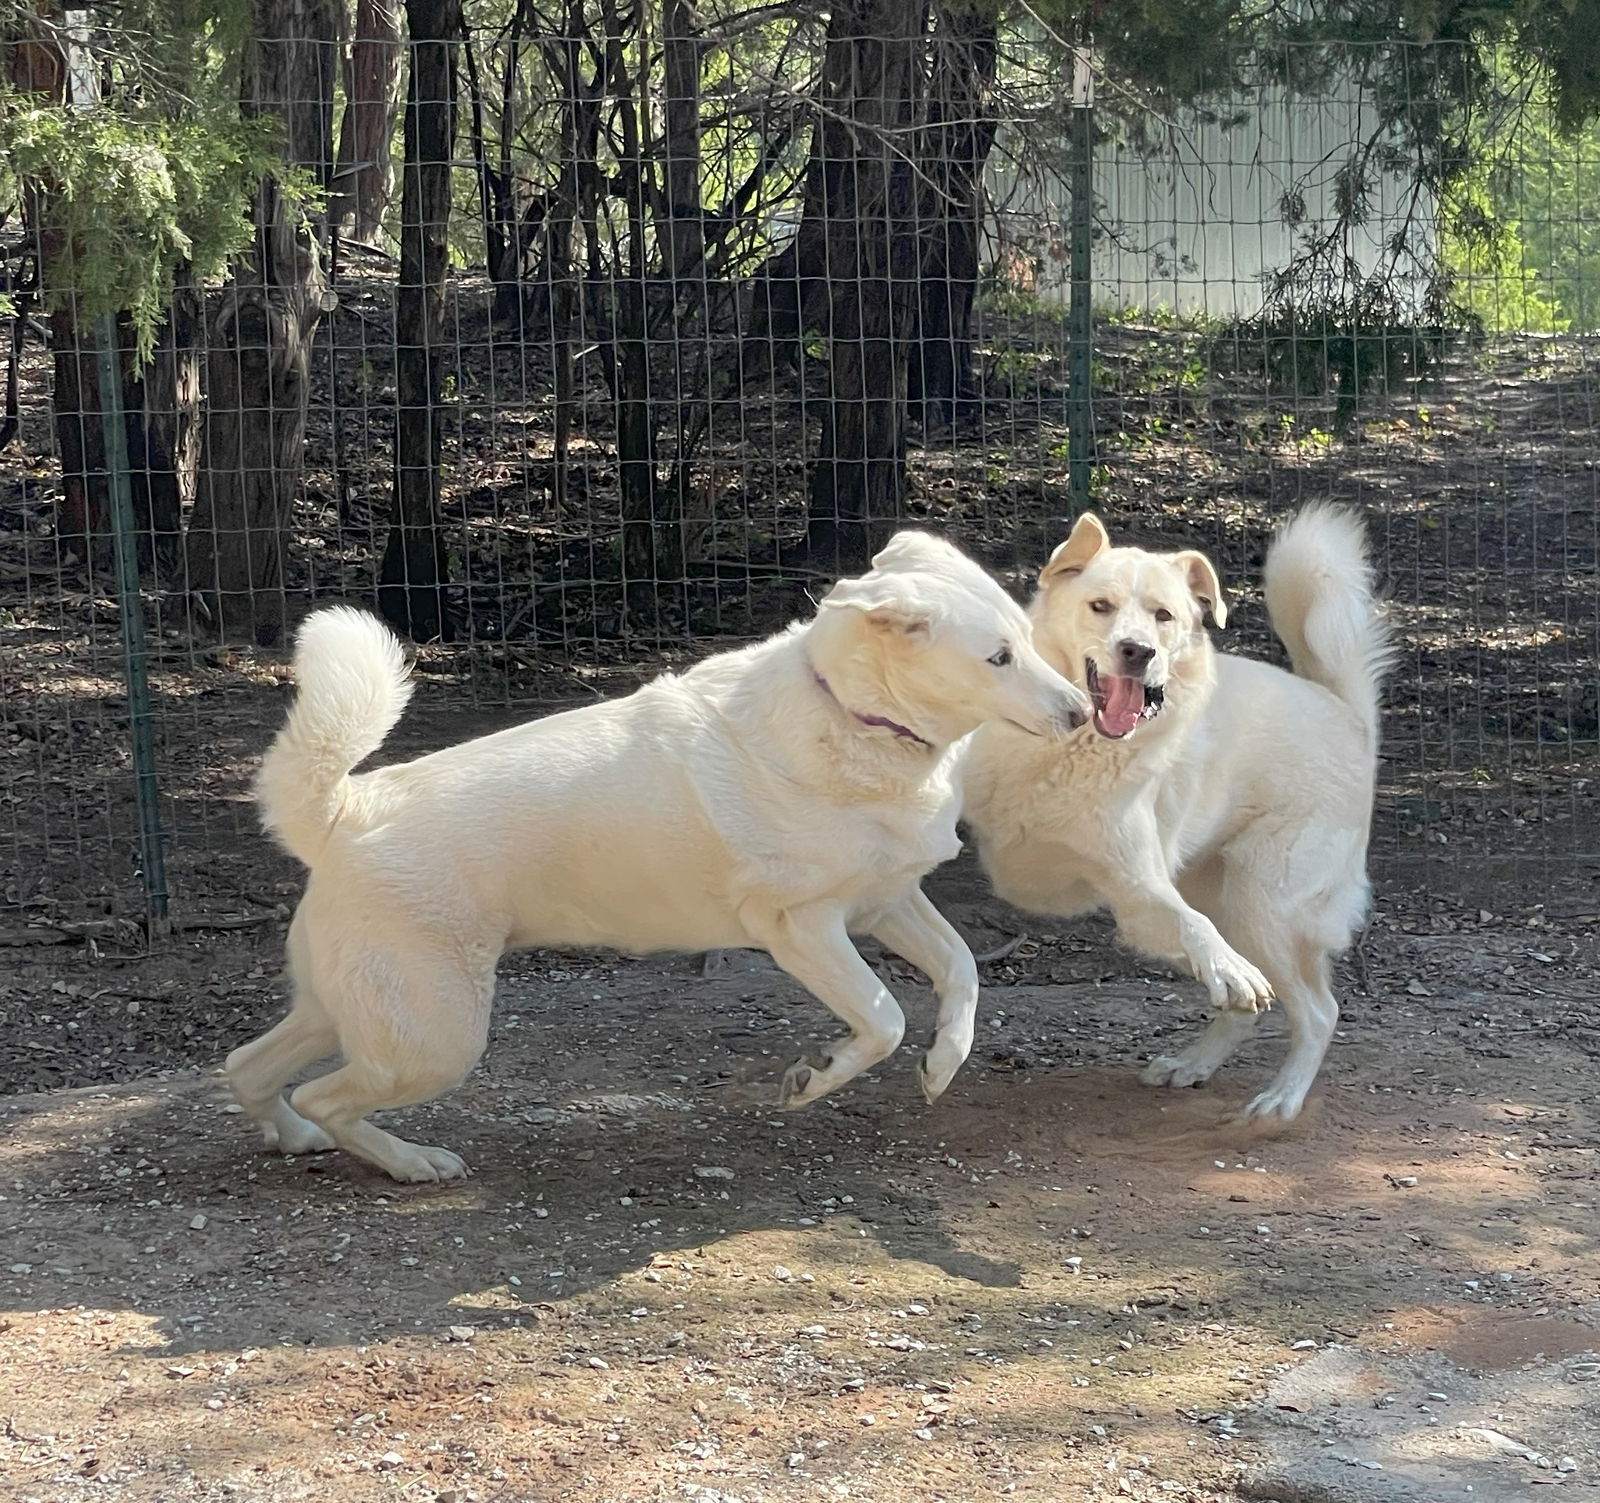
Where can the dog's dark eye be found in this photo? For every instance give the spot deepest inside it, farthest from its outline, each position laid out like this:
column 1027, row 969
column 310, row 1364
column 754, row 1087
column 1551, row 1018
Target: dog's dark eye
column 1101, row 607
column 1001, row 658
column 1163, row 615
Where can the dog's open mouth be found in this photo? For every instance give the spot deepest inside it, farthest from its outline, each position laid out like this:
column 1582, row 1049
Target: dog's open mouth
column 1121, row 703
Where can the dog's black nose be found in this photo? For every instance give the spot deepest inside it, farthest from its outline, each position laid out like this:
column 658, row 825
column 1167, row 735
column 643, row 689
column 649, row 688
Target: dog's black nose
column 1134, row 657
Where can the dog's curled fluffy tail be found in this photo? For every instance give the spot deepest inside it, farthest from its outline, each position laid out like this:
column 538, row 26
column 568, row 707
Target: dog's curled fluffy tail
column 353, row 687
column 1321, row 600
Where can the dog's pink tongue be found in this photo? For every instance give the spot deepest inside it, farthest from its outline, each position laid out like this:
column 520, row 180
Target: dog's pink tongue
column 1124, row 705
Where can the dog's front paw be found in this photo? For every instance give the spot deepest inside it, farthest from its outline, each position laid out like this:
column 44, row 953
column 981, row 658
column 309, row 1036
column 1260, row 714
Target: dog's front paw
column 803, row 1082
column 1236, row 986
column 945, row 1056
column 931, row 1078
column 421, row 1165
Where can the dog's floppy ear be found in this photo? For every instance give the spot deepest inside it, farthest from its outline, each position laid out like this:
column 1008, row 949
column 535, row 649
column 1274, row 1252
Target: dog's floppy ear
column 1204, row 583
column 1087, row 538
column 884, row 601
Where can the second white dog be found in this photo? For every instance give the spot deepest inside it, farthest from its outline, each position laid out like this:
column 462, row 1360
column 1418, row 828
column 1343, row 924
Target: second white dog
column 779, row 798
column 1220, row 809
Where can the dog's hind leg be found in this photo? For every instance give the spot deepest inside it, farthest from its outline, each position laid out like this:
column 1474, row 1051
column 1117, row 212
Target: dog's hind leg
column 1303, row 982
column 258, row 1071
column 1286, row 899
column 813, row 946
column 919, row 932
column 410, row 1031
column 1199, row 1061
column 1292, row 965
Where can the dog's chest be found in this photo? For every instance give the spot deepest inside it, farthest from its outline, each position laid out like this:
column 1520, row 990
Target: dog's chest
column 915, row 840
column 873, row 851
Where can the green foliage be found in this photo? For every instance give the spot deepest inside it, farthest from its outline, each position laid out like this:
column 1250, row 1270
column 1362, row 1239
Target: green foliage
column 1555, row 198
column 1560, row 38
column 1188, row 51
column 1353, row 352
column 132, row 198
column 1158, row 316
column 160, row 174
column 1490, row 275
column 1175, row 52
column 1521, row 237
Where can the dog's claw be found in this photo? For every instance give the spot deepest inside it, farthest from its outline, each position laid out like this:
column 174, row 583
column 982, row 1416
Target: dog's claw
column 1251, row 1005
column 797, row 1082
column 1237, row 986
column 433, row 1166
column 1277, row 1103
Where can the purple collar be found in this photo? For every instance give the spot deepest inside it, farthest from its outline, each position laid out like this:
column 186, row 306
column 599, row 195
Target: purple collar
column 882, row 721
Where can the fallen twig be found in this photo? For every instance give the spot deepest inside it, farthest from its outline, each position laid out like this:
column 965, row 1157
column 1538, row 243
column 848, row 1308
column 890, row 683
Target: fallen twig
column 1010, row 947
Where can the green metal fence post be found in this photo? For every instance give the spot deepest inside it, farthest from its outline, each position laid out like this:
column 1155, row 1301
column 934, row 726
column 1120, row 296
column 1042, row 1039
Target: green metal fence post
column 83, row 89
column 1080, row 317
column 130, row 606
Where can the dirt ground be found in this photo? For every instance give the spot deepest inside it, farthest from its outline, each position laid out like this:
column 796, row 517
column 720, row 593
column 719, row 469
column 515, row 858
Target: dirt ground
column 1055, row 1283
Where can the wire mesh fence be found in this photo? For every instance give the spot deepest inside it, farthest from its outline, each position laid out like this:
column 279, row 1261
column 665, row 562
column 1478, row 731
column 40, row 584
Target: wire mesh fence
column 582, row 345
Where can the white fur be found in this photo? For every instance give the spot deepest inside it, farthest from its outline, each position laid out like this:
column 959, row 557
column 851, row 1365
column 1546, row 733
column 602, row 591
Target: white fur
column 1232, row 825
column 354, row 687
column 740, row 804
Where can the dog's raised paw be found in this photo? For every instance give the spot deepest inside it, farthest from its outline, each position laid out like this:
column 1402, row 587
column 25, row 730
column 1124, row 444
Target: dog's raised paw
column 798, row 1080
column 1237, row 986
column 795, row 1080
column 934, row 1080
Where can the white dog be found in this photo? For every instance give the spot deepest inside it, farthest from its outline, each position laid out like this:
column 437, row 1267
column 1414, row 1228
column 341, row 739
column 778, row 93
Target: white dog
column 777, row 797
column 1221, row 807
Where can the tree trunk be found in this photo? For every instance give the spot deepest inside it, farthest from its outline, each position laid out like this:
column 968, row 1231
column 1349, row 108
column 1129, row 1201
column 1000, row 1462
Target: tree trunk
column 84, row 520
column 652, row 552
column 957, row 141
column 824, row 281
column 364, row 175
column 685, row 247
column 163, row 405
column 573, row 204
column 789, row 295
column 37, row 65
column 415, row 572
column 259, row 349
column 494, row 188
column 683, row 253
column 871, row 79
column 504, row 237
